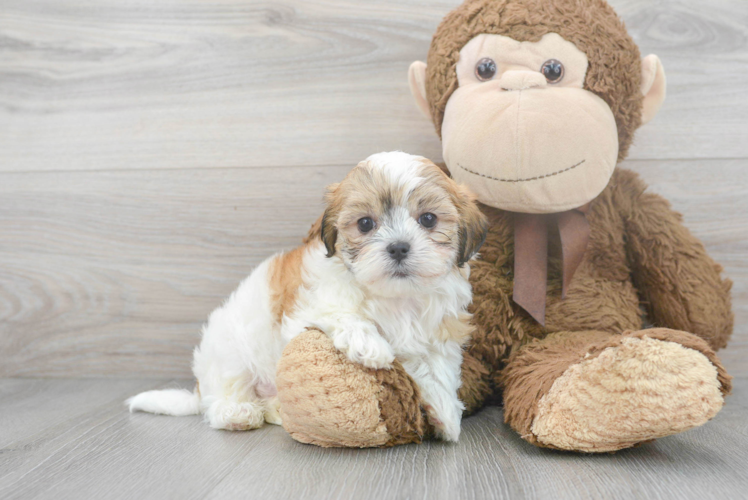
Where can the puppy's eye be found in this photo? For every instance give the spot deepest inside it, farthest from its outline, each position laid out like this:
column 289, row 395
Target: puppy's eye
column 427, row 220
column 552, row 70
column 365, row 224
column 485, row 69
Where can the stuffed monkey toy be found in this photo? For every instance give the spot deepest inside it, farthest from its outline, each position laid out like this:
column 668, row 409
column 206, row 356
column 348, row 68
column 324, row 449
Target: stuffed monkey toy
column 536, row 101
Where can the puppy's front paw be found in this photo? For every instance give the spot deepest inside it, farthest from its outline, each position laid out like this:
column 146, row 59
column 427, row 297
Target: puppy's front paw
column 362, row 344
column 446, row 423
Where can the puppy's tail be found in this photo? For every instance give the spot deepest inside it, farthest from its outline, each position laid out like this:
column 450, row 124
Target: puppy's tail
column 176, row 402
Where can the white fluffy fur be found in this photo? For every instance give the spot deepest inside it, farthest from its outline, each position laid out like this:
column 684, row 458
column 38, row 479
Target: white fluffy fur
column 370, row 315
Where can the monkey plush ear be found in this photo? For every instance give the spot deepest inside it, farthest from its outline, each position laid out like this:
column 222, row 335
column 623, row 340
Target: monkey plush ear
column 653, row 86
column 417, row 82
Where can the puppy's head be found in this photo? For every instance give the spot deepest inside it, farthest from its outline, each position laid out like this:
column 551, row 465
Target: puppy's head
column 399, row 223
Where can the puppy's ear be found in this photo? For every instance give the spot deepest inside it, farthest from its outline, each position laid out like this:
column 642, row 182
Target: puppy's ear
column 328, row 231
column 473, row 225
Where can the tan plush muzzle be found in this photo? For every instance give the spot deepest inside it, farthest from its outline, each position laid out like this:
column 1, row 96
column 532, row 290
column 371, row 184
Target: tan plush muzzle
column 531, row 150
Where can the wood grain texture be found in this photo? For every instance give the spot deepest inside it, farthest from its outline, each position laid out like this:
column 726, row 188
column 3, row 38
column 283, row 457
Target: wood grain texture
column 29, row 405
column 104, row 452
column 126, row 213
column 113, row 273
column 112, row 84
column 151, row 153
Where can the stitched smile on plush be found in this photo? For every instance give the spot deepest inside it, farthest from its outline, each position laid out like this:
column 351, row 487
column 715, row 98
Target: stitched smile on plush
column 537, row 177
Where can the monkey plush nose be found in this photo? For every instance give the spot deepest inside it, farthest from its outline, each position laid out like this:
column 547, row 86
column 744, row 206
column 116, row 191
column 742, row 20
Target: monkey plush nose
column 522, row 80
column 399, row 250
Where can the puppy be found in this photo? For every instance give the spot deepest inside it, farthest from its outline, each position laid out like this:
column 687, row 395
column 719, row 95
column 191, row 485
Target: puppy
column 385, row 276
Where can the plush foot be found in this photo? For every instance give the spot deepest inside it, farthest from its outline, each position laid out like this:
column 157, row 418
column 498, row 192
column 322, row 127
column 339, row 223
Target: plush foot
column 330, row 401
column 623, row 391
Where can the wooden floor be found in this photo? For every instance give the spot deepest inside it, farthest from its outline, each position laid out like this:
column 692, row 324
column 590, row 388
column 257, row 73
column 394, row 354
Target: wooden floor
column 151, row 153
column 69, row 438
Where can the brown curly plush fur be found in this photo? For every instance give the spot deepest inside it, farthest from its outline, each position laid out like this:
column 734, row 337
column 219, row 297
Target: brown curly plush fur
column 640, row 258
column 639, row 253
column 614, row 71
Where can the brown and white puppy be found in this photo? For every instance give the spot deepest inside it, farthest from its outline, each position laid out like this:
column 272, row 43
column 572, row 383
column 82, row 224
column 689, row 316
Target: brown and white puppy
column 386, row 278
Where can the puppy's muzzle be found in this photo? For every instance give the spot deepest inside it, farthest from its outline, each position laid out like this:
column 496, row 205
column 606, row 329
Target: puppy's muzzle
column 398, row 251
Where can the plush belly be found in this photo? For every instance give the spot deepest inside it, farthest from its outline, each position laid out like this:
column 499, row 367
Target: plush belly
column 593, row 304
column 594, row 301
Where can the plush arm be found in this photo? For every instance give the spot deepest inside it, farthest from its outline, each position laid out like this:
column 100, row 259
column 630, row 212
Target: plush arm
column 679, row 284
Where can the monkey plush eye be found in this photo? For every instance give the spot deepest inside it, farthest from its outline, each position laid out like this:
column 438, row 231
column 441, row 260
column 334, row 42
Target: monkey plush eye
column 552, row 70
column 427, row 220
column 485, row 69
column 365, row 224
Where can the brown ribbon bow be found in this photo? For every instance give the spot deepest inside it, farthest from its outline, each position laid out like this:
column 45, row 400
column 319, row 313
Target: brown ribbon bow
column 531, row 255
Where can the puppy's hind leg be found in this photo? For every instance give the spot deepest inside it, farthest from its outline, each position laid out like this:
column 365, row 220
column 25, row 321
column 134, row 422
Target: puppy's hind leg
column 272, row 411
column 237, row 409
column 235, row 415
column 235, row 363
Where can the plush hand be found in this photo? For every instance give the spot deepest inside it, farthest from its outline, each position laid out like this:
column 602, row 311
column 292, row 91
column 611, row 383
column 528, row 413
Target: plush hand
column 328, row 400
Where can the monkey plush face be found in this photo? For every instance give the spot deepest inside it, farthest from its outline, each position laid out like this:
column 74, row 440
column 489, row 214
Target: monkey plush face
column 531, row 120
column 521, row 130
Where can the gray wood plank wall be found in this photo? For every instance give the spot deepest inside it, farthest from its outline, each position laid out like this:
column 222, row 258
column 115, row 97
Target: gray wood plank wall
column 151, row 153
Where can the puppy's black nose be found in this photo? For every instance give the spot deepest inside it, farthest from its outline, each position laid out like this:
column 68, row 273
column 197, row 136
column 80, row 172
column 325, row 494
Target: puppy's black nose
column 399, row 250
